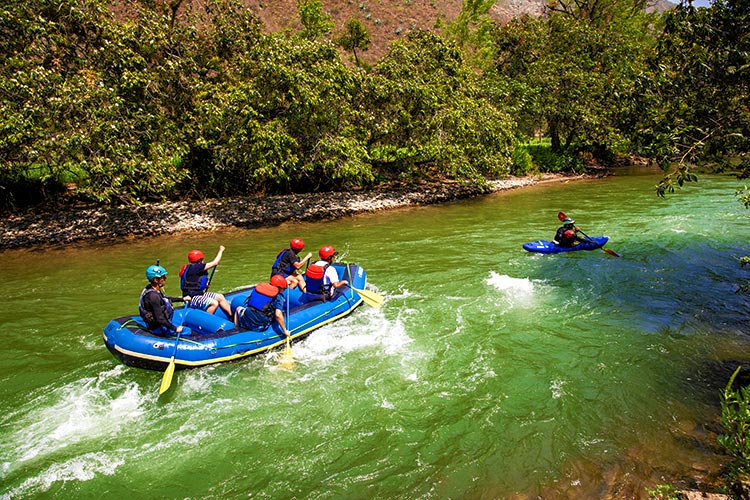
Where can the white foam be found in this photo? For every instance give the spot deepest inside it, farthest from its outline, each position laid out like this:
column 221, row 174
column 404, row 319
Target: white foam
column 84, row 410
column 516, row 291
column 82, row 468
column 557, row 388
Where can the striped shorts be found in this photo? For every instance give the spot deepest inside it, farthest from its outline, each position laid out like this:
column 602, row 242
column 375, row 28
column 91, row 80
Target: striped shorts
column 202, row 301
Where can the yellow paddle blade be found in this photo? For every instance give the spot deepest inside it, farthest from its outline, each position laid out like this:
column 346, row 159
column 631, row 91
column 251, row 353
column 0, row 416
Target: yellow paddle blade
column 611, row 252
column 287, row 359
column 166, row 380
column 371, row 298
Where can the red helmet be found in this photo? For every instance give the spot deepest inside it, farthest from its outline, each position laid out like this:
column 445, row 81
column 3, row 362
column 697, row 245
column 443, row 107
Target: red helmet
column 297, row 244
column 327, row 252
column 195, row 256
column 278, row 280
column 569, row 234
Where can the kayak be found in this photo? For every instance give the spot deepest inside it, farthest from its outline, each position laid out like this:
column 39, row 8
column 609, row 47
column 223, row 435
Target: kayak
column 544, row 246
column 213, row 338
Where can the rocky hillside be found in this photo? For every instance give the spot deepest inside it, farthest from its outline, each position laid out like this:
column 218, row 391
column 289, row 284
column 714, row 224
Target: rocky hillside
column 387, row 20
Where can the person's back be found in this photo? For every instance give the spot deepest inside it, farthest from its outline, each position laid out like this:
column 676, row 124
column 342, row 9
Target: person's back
column 323, row 284
column 264, row 304
column 317, row 288
column 288, row 264
column 194, row 281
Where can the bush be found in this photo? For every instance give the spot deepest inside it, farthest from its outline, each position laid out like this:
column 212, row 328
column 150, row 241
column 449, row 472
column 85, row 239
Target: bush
column 523, row 163
column 735, row 418
column 548, row 161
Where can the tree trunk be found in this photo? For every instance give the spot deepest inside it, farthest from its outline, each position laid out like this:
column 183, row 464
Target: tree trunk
column 554, row 134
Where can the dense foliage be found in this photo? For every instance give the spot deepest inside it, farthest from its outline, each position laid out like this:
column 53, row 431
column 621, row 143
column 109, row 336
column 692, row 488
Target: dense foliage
column 155, row 109
column 173, row 103
column 699, row 91
column 735, row 418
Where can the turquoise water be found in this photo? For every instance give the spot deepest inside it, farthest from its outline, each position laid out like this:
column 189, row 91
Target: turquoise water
column 488, row 373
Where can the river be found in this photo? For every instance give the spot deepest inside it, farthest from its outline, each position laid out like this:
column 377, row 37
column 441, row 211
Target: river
column 488, row 373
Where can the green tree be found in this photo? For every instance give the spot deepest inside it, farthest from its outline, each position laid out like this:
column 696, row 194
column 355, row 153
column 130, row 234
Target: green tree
column 425, row 115
column 698, row 99
column 599, row 12
column 355, row 36
column 570, row 79
column 315, row 21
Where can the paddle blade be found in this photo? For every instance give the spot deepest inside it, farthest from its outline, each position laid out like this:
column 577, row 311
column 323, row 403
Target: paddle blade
column 611, row 252
column 166, row 380
column 371, row 298
column 287, row 359
column 561, row 216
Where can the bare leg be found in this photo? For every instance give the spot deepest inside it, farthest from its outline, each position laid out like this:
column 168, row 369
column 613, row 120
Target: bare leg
column 225, row 305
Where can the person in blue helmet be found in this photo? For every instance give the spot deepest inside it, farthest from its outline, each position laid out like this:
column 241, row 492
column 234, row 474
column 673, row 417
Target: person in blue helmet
column 156, row 308
column 567, row 234
column 264, row 305
column 194, row 281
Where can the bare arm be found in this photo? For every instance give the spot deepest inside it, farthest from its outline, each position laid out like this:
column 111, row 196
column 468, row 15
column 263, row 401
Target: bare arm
column 298, row 265
column 280, row 319
column 216, row 260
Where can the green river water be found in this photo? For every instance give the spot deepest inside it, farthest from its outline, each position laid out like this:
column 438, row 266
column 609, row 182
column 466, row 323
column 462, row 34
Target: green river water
column 488, row 373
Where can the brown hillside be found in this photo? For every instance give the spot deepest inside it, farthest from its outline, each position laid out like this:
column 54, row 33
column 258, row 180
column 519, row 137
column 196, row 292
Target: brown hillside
column 386, row 20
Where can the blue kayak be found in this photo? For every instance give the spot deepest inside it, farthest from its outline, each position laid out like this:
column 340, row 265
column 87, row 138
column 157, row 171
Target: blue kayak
column 544, row 246
column 213, row 338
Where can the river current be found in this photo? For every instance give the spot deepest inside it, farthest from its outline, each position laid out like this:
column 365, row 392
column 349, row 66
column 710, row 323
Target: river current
column 488, row 373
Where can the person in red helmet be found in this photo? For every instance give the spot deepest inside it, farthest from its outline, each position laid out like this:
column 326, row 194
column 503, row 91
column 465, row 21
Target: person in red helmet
column 194, row 281
column 322, row 277
column 567, row 234
column 288, row 264
column 264, row 305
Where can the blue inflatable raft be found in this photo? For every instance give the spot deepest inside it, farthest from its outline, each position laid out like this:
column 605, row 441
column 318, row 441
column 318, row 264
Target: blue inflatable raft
column 213, row 338
column 544, row 246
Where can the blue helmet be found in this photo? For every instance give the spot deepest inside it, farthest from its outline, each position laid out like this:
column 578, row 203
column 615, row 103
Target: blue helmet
column 155, row 272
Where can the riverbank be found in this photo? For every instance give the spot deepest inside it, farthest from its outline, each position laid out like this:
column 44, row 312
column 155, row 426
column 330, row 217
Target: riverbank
column 33, row 229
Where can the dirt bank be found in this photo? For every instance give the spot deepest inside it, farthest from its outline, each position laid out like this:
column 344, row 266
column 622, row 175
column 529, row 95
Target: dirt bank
column 49, row 229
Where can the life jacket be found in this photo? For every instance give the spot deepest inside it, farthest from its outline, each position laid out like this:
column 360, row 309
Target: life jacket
column 148, row 315
column 275, row 269
column 193, row 280
column 315, row 280
column 261, row 297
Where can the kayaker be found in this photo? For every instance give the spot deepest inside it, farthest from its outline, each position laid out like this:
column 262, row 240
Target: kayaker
column 567, row 234
column 322, row 278
column 288, row 264
column 264, row 305
column 156, row 308
column 195, row 282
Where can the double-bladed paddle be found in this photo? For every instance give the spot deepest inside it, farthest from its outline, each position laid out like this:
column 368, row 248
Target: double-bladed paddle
column 562, row 216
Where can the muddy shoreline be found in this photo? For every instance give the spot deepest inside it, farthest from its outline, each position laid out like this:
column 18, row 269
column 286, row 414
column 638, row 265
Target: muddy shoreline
column 33, row 230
